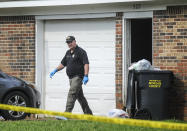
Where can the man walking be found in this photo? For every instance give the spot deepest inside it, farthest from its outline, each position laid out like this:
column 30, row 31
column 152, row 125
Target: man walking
column 77, row 69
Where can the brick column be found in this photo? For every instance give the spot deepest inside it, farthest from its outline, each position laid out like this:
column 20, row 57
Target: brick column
column 170, row 53
column 119, row 35
column 17, row 46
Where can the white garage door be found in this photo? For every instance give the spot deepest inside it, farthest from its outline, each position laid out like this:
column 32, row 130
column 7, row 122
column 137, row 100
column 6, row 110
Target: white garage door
column 97, row 37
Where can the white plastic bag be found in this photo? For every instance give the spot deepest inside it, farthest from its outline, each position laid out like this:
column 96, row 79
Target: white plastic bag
column 118, row 113
column 141, row 65
column 61, row 118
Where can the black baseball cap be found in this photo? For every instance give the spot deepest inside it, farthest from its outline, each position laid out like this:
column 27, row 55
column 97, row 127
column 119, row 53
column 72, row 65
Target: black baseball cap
column 69, row 39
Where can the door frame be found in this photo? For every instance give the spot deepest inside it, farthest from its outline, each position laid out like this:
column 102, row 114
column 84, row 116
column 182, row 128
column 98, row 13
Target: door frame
column 127, row 16
column 40, row 44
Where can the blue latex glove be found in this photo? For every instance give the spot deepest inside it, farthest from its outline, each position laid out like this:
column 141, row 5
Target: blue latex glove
column 85, row 79
column 52, row 73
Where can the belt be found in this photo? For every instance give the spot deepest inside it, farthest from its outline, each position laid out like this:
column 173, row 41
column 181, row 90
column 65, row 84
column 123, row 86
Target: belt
column 70, row 77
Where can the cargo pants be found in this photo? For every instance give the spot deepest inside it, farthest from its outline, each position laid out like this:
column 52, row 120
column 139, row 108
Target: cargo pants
column 76, row 93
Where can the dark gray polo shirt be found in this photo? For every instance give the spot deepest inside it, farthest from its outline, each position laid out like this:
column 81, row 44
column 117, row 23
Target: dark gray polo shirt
column 75, row 62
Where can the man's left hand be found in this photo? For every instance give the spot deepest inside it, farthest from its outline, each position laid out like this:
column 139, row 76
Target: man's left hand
column 85, row 79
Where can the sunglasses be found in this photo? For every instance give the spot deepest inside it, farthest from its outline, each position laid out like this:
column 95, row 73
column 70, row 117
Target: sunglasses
column 69, row 42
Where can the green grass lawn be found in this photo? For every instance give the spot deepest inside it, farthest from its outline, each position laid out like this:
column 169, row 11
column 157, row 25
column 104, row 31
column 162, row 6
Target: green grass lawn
column 68, row 125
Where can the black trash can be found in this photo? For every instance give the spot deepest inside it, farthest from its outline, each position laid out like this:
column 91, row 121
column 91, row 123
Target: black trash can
column 148, row 94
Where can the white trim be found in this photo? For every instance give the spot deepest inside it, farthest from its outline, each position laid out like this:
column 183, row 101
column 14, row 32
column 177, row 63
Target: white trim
column 126, row 44
column 56, row 3
column 80, row 9
column 123, row 60
column 76, row 16
column 132, row 15
column 39, row 74
column 127, row 56
column 40, row 3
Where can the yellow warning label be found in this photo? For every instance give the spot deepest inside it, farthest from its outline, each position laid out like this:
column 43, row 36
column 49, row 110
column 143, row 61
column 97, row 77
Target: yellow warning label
column 155, row 83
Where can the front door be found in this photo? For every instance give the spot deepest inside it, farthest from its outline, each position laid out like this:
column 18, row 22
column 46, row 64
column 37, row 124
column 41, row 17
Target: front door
column 137, row 43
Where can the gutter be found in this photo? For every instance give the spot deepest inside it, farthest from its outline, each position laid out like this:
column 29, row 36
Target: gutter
column 43, row 3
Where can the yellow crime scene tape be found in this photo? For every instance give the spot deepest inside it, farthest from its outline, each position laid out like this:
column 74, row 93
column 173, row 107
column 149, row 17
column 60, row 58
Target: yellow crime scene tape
column 131, row 122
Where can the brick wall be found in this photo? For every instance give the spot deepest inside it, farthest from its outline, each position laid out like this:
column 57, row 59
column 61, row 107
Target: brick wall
column 17, row 46
column 119, row 102
column 170, row 53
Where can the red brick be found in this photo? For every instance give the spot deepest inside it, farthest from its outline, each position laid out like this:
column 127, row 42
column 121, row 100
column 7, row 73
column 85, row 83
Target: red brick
column 119, row 103
column 171, row 29
column 13, row 41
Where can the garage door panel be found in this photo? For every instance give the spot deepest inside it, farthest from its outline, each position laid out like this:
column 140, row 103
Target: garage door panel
column 101, row 51
column 100, row 44
column 99, row 90
column 95, row 29
column 60, row 94
column 97, row 106
column 57, row 87
column 58, row 102
column 96, row 45
column 77, row 108
column 94, row 59
column 59, row 52
column 52, row 66
column 99, row 56
column 100, row 82
column 81, row 39
column 56, row 44
column 101, row 71
column 99, row 95
column 103, row 66
column 55, row 95
column 97, row 37
column 58, row 77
